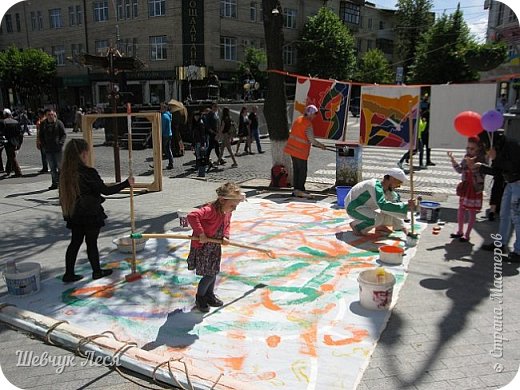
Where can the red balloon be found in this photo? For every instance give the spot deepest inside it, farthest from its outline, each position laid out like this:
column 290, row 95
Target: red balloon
column 468, row 123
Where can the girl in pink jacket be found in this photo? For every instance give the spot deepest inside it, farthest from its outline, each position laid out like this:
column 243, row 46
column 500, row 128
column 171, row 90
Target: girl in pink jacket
column 211, row 221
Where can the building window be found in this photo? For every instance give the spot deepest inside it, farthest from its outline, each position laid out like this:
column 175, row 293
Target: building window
column 126, row 46
column 289, row 18
column 40, row 20
column 59, row 53
column 55, row 18
column 18, row 25
column 156, row 7
column 289, row 55
column 33, row 21
column 385, row 45
column 158, row 48
column 126, row 9
column 9, row 23
column 100, row 11
column 76, row 49
column 228, row 48
column 79, row 15
column 369, row 44
column 512, row 16
column 381, row 25
column 101, row 47
column 500, row 14
column 369, row 23
column 252, row 11
column 349, row 12
column 228, row 8
column 72, row 15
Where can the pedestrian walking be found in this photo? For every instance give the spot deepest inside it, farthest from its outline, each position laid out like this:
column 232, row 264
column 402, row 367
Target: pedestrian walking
column 471, row 187
column 80, row 199
column 211, row 221
column 253, row 127
column 423, row 123
column 77, row 119
column 52, row 139
column 41, row 117
column 211, row 119
column 226, row 134
column 200, row 140
column 166, row 128
column 244, row 132
column 14, row 136
column 299, row 147
column 25, row 122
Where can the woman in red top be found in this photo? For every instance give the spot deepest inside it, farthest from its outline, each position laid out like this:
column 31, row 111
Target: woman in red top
column 211, row 221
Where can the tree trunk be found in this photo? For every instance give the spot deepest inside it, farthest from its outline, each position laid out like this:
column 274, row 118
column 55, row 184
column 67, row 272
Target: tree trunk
column 275, row 106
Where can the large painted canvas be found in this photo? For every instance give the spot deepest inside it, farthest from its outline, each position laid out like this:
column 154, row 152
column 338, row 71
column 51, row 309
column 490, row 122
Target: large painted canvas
column 291, row 322
column 331, row 97
column 387, row 113
column 446, row 101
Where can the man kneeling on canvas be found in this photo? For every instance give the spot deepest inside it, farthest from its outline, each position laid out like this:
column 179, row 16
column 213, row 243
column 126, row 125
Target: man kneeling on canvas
column 374, row 203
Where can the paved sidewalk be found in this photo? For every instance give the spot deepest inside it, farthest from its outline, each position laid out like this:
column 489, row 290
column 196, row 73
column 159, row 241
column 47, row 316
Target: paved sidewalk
column 439, row 336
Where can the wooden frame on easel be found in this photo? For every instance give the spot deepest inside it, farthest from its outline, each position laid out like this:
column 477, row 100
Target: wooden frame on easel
column 155, row 119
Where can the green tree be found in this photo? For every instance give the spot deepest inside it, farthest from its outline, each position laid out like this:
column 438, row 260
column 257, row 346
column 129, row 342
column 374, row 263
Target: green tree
column 414, row 18
column 440, row 55
column 29, row 73
column 326, row 47
column 373, row 67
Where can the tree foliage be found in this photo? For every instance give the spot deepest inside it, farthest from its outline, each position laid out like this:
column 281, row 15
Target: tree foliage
column 414, row 18
column 29, row 73
column 326, row 47
column 486, row 57
column 440, row 54
column 373, row 67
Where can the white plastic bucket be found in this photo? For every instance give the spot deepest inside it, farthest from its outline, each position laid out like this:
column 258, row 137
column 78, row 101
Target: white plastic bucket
column 183, row 219
column 374, row 295
column 391, row 254
column 24, row 280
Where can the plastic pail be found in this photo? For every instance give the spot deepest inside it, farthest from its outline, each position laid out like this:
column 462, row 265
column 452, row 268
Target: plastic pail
column 430, row 211
column 391, row 254
column 374, row 295
column 183, row 219
column 24, row 280
column 341, row 193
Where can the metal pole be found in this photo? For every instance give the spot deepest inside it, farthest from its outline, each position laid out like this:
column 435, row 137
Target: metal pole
column 113, row 99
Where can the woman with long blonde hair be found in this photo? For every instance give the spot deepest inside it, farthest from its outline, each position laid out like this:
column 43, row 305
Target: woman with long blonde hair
column 81, row 188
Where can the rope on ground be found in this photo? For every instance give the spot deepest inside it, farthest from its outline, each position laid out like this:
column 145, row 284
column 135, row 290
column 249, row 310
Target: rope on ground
column 172, row 375
column 4, row 304
column 51, row 328
column 84, row 341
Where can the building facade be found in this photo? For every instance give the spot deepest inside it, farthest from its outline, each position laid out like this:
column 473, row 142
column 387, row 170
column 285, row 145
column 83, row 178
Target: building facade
column 180, row 41
column 503, row 27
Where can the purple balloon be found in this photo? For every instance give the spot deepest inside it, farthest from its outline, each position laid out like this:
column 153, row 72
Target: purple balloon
column 492, row 120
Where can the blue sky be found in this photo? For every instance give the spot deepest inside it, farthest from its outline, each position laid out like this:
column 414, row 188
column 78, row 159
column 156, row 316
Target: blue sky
column 474, row 14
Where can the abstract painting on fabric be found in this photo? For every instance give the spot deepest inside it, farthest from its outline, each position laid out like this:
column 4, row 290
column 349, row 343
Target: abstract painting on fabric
column 292, row 322
column 386, row 115
column 331, row 97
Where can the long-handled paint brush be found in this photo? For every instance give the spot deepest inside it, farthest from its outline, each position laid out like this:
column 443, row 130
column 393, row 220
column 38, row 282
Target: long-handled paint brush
column 268, row 252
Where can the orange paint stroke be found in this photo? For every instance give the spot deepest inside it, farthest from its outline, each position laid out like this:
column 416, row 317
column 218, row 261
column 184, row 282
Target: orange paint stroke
column 96, row 292
column 324, row 310
column 273, row 341
column 327, row 287
column 309, row 338
column 268, row 303
column 358, row 336
column 237, row 334
column 236, row 363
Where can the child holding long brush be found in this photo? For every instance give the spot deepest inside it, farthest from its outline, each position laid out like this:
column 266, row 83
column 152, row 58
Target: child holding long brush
column 211, row 221
column 470, row 188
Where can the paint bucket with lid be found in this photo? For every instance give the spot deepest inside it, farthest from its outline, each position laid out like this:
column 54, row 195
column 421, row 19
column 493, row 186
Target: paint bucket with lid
column 375, row 289
column 430, row 211
column 22, row 279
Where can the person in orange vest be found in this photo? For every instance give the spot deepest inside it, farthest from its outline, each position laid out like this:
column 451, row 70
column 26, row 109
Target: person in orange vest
column 299, row 146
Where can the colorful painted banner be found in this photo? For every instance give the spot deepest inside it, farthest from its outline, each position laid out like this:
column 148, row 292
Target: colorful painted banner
column 386, row 115
column 331, row 97
column 293, row 322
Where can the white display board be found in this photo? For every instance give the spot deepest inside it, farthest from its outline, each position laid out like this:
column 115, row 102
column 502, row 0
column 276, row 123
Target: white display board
column 446, row 101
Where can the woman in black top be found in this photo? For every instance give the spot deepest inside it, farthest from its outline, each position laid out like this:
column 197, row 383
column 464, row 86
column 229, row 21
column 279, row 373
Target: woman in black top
column 80, row 198
column 226, row 134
